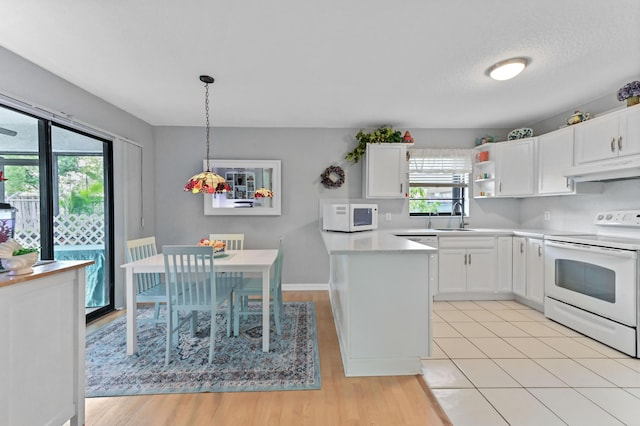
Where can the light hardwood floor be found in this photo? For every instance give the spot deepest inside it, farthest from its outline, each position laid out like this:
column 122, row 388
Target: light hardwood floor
column 397, row 400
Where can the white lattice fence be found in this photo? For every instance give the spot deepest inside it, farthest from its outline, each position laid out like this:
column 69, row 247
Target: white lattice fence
column 70, row 230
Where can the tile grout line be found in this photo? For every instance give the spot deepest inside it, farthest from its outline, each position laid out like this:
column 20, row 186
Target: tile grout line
column 566, row 356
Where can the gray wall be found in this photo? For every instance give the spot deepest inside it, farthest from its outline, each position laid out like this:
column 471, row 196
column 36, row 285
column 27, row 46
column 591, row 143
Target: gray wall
column 304, row 153
column 177, row 217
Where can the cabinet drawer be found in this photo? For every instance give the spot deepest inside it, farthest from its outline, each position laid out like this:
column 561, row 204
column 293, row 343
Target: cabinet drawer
column 465, row 242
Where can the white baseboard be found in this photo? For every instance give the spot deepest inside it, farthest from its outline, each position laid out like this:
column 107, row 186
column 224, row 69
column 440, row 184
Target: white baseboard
column 306, row 287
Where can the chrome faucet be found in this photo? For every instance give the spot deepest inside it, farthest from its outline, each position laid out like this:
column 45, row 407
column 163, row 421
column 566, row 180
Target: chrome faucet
column 453, row 212
column 429, row 226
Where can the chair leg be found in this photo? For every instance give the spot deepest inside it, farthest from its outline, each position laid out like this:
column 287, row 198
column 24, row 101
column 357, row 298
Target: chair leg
column 156, row 311
column 245, row 306
column 229, row 314
column 167, row 356
column 276, row 315
column 236, row 314
column 194, row 323
column 212, row 337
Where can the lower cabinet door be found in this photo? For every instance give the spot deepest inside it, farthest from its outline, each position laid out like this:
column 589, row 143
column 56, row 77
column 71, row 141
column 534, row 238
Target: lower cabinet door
column 452, row 271
column 535, row 270
column 520, row 266
column 482, row 270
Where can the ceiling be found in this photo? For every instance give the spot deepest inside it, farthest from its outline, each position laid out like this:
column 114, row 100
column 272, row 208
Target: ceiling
column 332, row 63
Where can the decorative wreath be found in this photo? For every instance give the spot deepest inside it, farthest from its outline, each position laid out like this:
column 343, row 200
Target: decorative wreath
column 333, row 177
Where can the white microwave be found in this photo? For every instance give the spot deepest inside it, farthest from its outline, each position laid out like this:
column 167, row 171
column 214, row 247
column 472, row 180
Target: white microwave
column 349, row 217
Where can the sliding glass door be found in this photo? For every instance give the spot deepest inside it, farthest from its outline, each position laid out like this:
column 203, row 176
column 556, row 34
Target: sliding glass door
column 58, row 189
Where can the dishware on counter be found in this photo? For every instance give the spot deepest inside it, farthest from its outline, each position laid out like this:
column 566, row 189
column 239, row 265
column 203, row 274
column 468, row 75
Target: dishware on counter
column 482, row 156
column 578, row 117
column 521, row 133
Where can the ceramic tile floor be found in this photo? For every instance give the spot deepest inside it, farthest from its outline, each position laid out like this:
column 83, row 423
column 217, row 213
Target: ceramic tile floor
column 502, row 363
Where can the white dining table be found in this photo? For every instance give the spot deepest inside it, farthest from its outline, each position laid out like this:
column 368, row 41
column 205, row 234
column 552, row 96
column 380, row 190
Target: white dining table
column 256, row 261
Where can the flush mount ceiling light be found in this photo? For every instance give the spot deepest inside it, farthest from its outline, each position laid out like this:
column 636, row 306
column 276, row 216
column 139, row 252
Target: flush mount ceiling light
column 207, row 182
column 507, row 69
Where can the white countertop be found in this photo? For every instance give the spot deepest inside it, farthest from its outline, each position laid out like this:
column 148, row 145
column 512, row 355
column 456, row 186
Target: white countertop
column 385, row 240
column 454, row 232
column 370, row 242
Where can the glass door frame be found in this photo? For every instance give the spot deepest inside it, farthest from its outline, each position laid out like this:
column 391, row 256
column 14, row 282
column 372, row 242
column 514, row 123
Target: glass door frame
column 47, row 182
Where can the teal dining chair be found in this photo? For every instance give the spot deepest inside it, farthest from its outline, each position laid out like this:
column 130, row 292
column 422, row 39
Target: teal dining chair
column 233, row 241
column 251, row 287
column 149, row 287
column 192, row 287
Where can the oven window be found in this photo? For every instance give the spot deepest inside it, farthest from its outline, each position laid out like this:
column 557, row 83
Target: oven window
column 586, row 278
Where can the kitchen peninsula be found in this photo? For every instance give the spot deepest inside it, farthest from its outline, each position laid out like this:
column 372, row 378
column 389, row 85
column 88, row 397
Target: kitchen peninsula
column 381, row 301
column 42, row 329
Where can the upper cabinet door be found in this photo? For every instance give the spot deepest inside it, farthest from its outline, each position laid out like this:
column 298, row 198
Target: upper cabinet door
column 515, row 170
column 629, row 128
column 610, row 136
column 555, row 155
column 596, row 139
column 386, row 171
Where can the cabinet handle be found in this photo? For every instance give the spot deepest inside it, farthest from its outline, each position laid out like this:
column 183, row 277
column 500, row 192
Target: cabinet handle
column 465, row 259
column 521, row 248
column 567, row 182
column 469, row 258
column 500, row 187
column 613, row 144
column 620, row 143
column 539, row 250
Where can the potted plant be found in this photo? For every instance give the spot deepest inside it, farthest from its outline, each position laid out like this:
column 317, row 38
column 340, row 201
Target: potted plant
column 384, row 134
column 630, row 92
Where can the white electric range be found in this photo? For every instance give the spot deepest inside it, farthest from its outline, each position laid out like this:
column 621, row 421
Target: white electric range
column 592, row 282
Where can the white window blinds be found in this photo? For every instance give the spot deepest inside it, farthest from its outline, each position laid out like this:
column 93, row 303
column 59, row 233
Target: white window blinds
column 440, row 167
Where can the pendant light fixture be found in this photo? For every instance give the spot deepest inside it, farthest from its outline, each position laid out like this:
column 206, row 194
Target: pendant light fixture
column 507, row 69
column 207, row 182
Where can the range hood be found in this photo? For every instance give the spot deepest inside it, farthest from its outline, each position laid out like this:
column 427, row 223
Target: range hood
column 621, row 168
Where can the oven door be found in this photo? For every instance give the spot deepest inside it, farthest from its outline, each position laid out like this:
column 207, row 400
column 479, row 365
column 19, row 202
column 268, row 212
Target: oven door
column 599, row 280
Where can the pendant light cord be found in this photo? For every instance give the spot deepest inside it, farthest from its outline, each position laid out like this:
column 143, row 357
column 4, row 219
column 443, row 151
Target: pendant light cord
column 206, row 108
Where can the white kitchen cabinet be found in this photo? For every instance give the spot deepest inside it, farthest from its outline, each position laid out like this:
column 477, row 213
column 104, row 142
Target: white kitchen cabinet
column 484, row 172
column 515, row 168
column 528, row 270
column 467, row 265
column 505, row 264
column 42, row 328
column 555, row 155
column 242, row 184
column 519, row 266
column 535, row 270
column 609, row 136
column 386, row 171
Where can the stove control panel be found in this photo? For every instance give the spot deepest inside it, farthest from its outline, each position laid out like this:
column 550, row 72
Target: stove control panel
column 619, row 218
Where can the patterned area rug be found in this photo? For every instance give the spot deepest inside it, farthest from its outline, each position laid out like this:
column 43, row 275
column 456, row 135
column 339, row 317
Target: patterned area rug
column 239, row 364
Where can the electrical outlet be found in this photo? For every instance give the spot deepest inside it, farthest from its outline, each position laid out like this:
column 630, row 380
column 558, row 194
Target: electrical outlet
column 387, row 217
column 547, row 215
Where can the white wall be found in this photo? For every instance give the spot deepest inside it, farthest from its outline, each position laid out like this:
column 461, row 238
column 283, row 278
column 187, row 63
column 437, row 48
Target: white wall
column 26, row 82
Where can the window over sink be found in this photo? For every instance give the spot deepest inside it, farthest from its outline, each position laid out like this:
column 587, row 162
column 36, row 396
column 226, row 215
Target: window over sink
column 438, row 181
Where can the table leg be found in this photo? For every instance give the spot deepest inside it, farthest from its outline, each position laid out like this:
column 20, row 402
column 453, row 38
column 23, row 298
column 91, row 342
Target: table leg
column 132, row 315
column 266, row 272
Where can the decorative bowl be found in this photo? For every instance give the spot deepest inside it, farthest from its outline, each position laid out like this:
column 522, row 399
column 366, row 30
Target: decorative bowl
column 18, row 265
column 578, row 117
column 521, row 133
